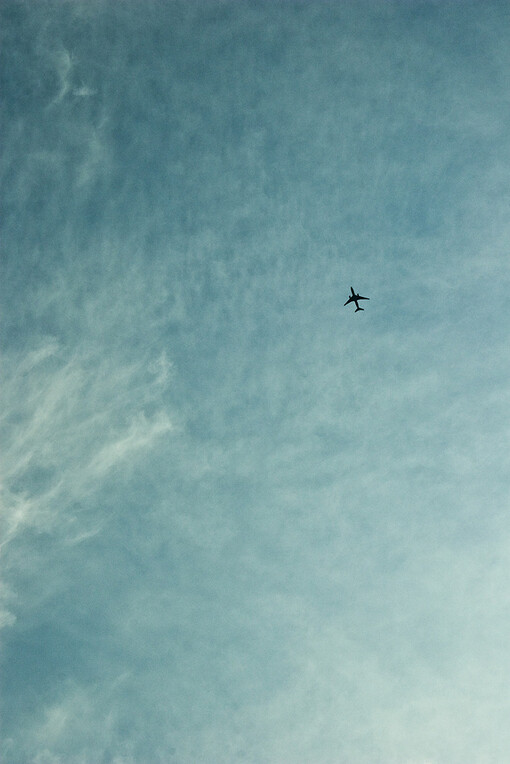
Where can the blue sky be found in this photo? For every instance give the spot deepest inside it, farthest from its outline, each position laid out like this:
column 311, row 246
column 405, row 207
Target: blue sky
column 241, row 523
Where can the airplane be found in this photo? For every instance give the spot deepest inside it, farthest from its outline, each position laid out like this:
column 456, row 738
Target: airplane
column 354, row 298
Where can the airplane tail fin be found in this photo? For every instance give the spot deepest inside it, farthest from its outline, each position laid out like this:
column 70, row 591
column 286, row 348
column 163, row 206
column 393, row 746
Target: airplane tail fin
column 359, row 309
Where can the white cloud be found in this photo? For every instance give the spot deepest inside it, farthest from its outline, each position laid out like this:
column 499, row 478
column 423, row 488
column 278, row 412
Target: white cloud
column 139, row 435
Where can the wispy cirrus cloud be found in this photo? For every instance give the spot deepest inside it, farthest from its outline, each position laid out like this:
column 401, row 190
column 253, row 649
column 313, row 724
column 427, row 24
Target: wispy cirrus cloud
column 70, row 420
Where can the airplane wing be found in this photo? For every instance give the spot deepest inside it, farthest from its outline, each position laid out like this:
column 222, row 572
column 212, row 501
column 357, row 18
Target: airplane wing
column 348, row 301
column 362, row 298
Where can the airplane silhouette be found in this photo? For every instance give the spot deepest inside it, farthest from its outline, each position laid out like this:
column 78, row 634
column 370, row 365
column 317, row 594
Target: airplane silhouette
column 354, row 298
